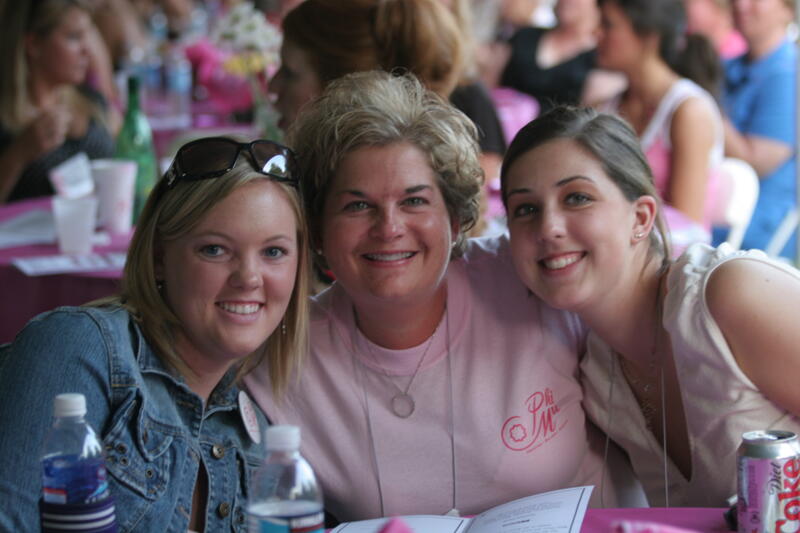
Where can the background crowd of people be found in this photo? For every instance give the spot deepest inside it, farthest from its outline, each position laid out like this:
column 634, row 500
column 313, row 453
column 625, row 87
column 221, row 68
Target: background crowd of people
column 699, row 80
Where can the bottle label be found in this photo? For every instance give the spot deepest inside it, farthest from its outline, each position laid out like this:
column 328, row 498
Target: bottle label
column 98, row 517
column 71, row 479
column 309, row 523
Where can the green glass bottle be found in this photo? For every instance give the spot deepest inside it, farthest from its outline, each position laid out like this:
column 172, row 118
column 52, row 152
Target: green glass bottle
column 135, row 142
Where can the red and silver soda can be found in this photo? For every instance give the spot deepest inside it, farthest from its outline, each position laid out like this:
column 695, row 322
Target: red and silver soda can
column 769, row 482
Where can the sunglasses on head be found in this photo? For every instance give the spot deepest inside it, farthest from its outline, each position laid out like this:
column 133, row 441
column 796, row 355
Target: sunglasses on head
column 212, row 157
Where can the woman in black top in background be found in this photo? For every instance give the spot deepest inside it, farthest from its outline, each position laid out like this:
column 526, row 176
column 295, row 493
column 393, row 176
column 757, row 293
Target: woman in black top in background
column 558, row 65
column 46, row 114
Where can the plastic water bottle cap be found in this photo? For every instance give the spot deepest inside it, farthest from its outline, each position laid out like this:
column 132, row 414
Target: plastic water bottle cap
column 69, row 404
column 283, row 438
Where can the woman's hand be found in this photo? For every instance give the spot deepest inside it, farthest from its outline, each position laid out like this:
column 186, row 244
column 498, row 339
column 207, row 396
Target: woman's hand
column 45, row 133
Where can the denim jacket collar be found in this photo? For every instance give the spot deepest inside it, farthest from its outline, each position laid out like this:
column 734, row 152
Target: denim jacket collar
column 224, row 395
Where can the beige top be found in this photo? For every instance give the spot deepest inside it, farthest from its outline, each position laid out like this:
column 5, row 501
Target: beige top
column 720, row 401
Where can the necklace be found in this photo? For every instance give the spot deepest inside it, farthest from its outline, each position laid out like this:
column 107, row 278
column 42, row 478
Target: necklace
column 450, row 422
column 648, row 397
column 645, row 385
column 402, row 403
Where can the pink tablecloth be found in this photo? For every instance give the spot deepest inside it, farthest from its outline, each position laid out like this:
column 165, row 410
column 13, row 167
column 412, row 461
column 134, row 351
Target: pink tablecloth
column 705, row 520
column 695, row 519
column 24, row 297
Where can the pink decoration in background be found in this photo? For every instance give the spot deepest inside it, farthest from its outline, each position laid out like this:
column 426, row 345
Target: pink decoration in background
column 515, row 109
column 226, row 91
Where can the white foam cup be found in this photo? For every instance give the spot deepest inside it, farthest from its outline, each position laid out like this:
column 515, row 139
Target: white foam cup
column 75, row 219
column 114, row 181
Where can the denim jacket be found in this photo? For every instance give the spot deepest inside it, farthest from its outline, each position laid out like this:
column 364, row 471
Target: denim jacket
column 157, row 433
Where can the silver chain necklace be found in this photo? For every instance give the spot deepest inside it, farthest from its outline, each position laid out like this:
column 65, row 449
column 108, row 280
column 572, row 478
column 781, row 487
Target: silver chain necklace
column 402, row 403
column 450, row 423
column 648, row 410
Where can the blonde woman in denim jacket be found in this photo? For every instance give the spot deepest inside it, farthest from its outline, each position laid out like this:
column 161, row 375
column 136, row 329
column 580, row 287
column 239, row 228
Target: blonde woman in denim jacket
column 214, row 283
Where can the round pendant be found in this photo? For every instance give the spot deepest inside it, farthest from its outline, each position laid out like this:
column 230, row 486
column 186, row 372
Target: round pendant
column 402, row 405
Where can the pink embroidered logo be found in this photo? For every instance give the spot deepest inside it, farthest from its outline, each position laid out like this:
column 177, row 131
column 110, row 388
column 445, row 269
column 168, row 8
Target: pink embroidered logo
column 528, row 432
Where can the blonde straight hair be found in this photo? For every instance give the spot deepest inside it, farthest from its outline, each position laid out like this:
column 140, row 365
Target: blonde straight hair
column 21, row 19
column 171, row 213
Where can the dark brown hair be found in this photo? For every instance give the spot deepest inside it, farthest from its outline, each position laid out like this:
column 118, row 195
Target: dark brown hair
column 344, row 36
column 610, row 140
column 691, row 56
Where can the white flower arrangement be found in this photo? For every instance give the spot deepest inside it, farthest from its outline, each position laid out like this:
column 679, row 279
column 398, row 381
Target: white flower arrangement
column 253, row 42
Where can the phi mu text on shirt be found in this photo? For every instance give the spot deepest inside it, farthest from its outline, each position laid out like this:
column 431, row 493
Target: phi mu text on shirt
column 518, row 425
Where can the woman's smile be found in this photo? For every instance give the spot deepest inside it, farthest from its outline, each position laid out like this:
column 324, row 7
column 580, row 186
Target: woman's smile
column 387, row 233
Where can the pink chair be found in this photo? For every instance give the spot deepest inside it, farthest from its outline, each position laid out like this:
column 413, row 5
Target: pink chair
column 514, row 108
column 735, row 200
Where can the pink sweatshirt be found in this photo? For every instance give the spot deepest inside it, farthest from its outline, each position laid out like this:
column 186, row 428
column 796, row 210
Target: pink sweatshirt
column 518, row 425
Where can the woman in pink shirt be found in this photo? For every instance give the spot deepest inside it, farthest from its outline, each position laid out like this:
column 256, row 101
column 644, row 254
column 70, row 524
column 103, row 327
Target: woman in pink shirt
column 435, row 381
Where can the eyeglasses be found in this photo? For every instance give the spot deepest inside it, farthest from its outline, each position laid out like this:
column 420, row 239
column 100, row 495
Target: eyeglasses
column 212, row 157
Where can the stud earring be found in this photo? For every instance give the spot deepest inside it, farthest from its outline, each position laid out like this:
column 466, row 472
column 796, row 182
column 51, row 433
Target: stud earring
column 159, row 285
column 638, row 235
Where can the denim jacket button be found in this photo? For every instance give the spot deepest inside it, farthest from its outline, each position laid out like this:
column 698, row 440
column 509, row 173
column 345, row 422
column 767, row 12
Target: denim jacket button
column 224, row 510
column 218, row 451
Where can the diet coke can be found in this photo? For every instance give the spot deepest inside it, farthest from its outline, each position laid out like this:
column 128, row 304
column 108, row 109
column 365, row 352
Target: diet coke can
column 769, row 482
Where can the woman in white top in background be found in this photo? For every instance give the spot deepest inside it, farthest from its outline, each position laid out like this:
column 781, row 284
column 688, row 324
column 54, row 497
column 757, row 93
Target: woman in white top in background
column 669, row 102
column 435, row 380
column 682, row 357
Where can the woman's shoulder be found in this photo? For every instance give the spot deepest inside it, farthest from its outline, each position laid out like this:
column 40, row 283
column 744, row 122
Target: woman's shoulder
column 783, row 59
column 690, row 275
column 483, row 248
column 331, row 319
column 88, row 330
column 488, row 257
column 527, row 35
column 327, row 303
column 687, row 97
column 700, row 260
column 70, row 347
column 685, row 88
column 82, row 318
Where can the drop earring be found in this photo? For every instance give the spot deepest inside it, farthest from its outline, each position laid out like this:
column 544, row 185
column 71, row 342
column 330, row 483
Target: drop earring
column 283, row 328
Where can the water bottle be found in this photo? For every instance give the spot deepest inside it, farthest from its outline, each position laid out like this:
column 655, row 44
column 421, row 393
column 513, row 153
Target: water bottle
column 284, row 496
column 75, row 492
column 178, row 77
column 135, row 142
